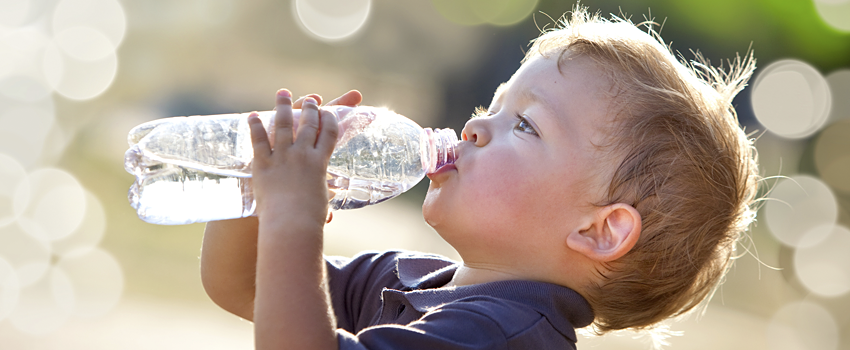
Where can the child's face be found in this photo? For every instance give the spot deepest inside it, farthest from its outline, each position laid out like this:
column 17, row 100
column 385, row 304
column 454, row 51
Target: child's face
column 529, row 167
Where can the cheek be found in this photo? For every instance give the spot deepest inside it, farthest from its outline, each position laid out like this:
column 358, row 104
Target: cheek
column 535, row 189
column 499, row 192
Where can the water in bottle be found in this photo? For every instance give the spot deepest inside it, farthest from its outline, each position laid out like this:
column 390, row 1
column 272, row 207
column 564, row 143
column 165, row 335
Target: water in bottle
column 198, row 169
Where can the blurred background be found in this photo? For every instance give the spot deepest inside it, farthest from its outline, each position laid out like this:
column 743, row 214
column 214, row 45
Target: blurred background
column 79, row 270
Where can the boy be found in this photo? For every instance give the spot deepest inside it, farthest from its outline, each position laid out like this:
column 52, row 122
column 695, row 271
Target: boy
column 605, row 185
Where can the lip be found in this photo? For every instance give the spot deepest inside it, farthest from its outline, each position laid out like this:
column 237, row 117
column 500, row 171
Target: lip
column 444, row 169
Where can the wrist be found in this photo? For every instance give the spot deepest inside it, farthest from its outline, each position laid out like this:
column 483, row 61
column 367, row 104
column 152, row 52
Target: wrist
column 289, row 211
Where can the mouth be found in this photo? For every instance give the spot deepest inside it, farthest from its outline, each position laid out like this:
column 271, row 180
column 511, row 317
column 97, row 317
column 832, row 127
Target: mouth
column 440, row 173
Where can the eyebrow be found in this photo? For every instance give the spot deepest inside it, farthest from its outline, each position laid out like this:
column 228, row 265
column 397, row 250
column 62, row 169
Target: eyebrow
column 530, row 96
column 525, row 95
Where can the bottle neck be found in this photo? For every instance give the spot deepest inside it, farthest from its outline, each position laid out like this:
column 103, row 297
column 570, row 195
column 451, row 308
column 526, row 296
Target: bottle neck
column 441, row 148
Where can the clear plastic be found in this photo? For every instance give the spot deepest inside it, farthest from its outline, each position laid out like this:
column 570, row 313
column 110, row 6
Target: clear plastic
column 198, row 169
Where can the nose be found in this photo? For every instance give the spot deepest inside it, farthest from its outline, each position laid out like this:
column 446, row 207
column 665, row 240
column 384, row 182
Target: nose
column 476, row 131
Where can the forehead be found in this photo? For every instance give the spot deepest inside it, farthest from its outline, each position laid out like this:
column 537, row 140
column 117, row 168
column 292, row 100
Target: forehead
column 570, row 86
column 569, row 72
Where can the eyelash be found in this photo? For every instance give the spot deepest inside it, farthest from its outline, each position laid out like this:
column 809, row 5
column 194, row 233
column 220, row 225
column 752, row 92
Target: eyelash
column 483, row 112
column 480, row 111
column 522, row 121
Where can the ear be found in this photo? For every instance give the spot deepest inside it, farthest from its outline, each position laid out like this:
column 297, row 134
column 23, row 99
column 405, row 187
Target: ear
column 612, row 233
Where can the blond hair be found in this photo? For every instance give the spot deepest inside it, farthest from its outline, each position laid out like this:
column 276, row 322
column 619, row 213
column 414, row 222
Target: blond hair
column 683, row 162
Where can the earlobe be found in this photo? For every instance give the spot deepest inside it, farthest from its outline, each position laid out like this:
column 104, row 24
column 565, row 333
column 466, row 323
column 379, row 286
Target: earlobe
column 612, row 233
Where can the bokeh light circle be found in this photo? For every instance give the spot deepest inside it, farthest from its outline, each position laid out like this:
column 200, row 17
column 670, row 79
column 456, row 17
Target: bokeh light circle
column 77, row 79
column 91, row 230
column 13, row 12
column 832, row 155
column 824, row 268
column 332, row 20
column 839, row 85
column 104, row 16
column 29, row 256
column 802, row 326
column 797, row 205
column 45, row 306
column 513, row 12
column 23, row 80
column 96, row 281
column 10, row 288
column 12, row 175
column 84, row 43
column 835, row 13
column 24, row 87
column 8, row 59
column 474, row 12
column 791, row 99
column 25, row 42
column 25, row 129
column 56, row 206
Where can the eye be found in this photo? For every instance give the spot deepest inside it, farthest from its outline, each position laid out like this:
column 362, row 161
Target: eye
column 523, row 125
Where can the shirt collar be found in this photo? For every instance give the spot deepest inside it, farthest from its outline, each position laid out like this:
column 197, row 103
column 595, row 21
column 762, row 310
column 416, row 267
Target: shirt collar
column 563, row 307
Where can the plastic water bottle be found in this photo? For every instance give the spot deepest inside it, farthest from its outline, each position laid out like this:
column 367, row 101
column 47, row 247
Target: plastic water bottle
column 198, row 169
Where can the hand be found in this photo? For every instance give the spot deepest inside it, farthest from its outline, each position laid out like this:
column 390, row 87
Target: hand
column 351, row 98
column 289, row 179
column 292, row 307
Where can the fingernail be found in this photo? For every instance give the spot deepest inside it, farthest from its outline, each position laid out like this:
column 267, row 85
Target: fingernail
column 284, row 93
column 310, row 100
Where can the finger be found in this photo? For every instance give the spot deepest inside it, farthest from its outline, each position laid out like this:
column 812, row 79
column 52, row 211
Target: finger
column 300, row 101
column 328, row 132
column 283, row 118
column 259, row 138
column 308, row 124
column 351, row 98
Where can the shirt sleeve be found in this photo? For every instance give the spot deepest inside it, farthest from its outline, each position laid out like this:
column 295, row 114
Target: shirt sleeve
column 355, row 285
column 460, row 326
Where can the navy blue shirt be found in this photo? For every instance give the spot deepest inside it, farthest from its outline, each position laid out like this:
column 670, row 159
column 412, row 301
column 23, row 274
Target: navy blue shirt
column 396, row 300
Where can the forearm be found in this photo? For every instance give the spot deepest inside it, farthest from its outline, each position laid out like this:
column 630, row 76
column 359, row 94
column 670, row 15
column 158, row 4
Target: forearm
column 292, row 306
column 229, row 262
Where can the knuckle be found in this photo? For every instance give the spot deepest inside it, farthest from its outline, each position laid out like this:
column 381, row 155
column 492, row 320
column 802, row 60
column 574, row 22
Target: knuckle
column 311, row 105
column 329, row 122
column 310, row 127
column 310, row 121
column 333, row 133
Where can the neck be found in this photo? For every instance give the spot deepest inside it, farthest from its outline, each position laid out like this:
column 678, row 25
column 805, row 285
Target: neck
column 468, row 274
column 575, row 277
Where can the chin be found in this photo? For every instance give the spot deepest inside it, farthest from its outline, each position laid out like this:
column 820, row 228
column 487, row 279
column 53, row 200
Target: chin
column 429, row 212
column 433, row 210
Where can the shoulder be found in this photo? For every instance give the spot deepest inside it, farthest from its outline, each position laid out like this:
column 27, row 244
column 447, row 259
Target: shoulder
column 510, row 317
column 486, row 322
column 449, row 326
column 519, row 319
column 474, row 322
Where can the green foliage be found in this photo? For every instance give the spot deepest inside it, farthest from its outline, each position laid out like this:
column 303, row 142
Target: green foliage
column 776, row 28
